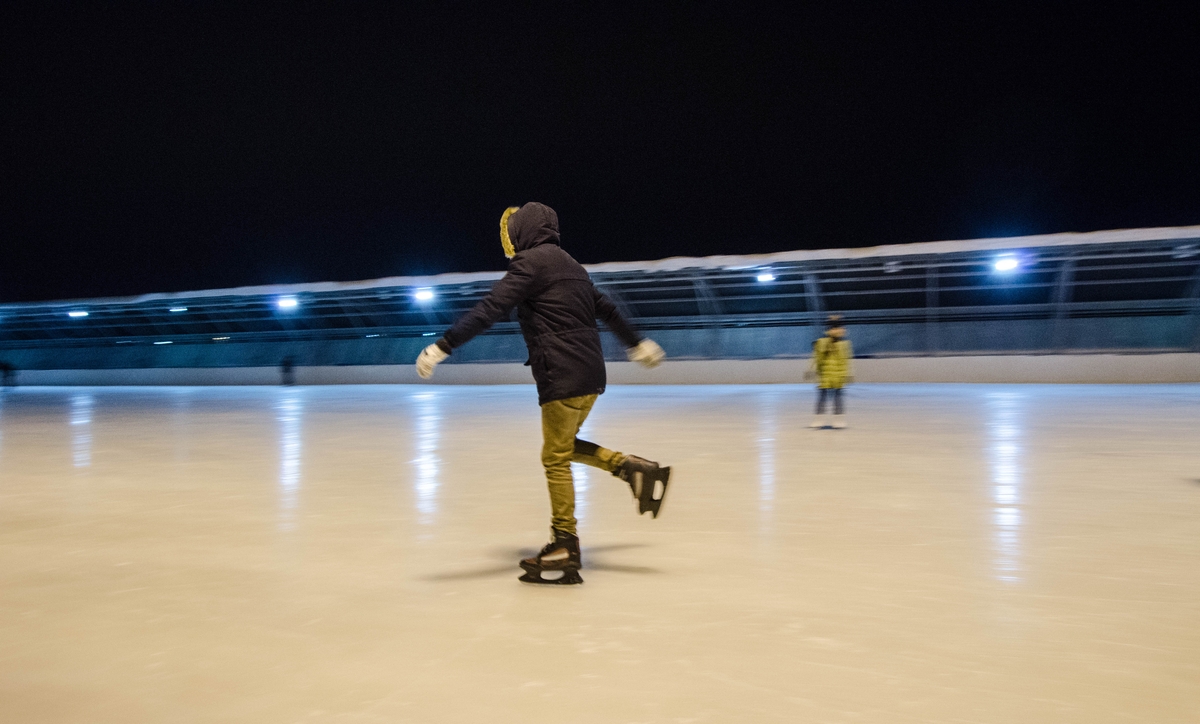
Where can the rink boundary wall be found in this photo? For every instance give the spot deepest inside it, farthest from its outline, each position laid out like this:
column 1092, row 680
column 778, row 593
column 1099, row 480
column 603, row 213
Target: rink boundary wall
column 1092, row 368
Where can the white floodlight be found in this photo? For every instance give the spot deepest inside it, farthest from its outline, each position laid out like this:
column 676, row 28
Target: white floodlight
column 1006, row 264
column 766, row 277
column 77, row 314
column 178, row 309
column 168, row 342
column 287, row 303
column 424, row 295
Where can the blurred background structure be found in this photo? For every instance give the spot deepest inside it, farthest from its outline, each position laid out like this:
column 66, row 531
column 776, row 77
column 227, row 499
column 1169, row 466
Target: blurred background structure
column 1100, row 293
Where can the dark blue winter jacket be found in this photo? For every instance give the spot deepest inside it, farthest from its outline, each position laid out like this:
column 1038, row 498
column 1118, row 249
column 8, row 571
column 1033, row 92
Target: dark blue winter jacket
column 557, row 306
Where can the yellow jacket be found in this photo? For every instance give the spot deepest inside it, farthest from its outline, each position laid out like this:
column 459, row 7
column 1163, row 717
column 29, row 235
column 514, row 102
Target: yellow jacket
column 831, row 362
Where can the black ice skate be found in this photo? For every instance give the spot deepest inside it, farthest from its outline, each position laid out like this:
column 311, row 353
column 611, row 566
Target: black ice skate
column 560, row 558
column 647, row 480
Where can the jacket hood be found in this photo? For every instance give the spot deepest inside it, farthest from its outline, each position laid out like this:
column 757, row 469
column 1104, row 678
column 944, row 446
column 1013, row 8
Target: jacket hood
column 532, row 225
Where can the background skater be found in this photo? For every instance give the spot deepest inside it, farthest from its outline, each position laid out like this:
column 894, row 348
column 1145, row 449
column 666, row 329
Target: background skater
column 831, row 365
column 557, row 306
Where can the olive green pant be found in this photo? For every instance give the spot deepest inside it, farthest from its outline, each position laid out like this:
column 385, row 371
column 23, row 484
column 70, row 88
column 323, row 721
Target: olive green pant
column 561, row 420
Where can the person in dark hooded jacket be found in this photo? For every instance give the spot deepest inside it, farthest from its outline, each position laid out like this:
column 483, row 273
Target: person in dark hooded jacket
column 557, row 306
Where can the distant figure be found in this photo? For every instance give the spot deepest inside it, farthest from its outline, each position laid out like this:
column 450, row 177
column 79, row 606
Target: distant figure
column 287, row 370
column 8, row 375
column 832, row 369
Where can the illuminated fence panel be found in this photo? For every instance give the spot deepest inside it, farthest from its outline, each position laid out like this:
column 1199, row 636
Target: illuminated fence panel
column 1097, row 294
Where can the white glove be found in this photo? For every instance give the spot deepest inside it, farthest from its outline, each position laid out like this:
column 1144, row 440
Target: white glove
column 647, row 353
column 428, row 359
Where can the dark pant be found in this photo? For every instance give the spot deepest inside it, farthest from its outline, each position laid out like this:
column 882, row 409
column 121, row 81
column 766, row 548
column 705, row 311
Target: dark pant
column 835, row 393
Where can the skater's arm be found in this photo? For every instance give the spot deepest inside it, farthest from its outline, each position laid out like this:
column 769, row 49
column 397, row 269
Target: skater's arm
column 645, row 352
column 499, row 302
column 608, row 313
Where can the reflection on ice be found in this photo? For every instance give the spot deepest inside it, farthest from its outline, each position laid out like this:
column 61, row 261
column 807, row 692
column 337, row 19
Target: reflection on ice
column 427, row 463
column 289, row 410
column 579, row 473
column 81, row 429
column 1008, row 530
column 1005, row 426
column 181, row 410
column 767, row 431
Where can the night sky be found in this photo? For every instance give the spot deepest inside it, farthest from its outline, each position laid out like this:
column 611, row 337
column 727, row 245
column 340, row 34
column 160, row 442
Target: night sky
column 181, row 146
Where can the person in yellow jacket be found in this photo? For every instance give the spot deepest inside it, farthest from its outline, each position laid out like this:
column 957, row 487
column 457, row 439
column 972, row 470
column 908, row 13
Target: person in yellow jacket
column 832, row 367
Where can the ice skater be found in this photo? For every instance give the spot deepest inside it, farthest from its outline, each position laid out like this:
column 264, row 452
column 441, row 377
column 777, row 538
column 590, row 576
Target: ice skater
column 831, row 366
column 557, row 306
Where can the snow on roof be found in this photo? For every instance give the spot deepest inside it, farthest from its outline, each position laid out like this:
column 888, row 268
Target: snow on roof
column 676, row 263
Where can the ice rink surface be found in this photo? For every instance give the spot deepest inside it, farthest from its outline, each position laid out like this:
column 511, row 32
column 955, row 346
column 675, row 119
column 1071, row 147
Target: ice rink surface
column 962, row 553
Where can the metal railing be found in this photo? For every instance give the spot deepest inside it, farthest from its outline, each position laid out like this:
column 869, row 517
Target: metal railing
column 1056, row 284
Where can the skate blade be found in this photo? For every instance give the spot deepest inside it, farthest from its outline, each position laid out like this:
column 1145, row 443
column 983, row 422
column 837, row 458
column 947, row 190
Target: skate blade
column 568, row 578
column 652, row 504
